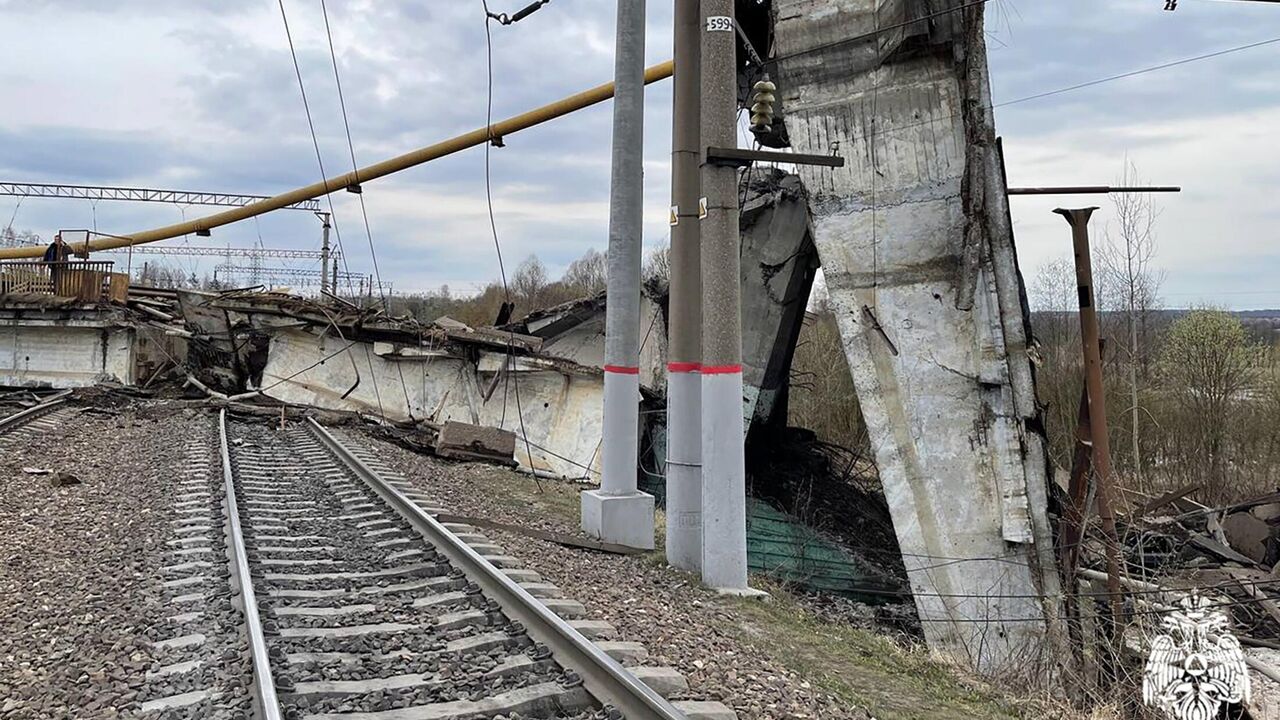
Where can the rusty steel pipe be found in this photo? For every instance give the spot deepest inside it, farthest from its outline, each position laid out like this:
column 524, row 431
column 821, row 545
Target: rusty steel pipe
column 1101, row 460
column 584, row 99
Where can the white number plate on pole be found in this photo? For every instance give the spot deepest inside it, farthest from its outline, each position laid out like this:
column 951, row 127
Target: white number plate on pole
column 719, row 23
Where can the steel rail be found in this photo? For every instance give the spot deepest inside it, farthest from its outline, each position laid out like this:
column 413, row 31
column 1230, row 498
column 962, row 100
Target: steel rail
column 603, row 676
column 262, row 679
column 22, row 417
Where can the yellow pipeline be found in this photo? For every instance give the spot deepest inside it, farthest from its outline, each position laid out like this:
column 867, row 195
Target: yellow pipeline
column 557, row 109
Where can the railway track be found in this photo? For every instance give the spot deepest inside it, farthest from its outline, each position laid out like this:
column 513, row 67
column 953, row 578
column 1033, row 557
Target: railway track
column 24, row 425
column 358, row 604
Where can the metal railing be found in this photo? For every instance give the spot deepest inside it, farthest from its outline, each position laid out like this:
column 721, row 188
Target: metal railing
column 86, row 280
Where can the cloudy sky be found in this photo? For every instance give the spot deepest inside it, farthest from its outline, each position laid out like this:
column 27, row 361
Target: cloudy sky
column 201, row 95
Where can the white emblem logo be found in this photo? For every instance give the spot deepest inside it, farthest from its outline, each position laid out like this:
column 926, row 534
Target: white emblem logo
column 1197, row 666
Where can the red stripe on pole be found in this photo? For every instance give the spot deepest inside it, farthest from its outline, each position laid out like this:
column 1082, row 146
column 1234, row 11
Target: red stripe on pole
column 684, row 367
column 622, row 369
column 721, row 369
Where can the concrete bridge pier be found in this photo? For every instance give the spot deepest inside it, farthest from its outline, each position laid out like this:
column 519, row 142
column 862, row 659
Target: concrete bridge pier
column 917, row 251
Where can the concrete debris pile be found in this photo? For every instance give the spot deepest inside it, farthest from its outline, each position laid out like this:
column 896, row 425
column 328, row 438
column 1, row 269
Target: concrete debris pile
column 1231, row 551
column 540, row 378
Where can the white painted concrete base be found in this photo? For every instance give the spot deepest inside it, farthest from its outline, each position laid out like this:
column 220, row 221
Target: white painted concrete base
column 684, row 470
column 621, row 432
column 724, row 499
column 749, row 593
column 620, row 519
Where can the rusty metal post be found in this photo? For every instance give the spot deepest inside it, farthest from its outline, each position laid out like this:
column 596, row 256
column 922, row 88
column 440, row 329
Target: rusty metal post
column 1101, row 460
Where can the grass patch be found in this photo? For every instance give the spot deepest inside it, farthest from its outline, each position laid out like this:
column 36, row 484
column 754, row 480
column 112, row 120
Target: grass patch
column 556, row 500
column 861, row 668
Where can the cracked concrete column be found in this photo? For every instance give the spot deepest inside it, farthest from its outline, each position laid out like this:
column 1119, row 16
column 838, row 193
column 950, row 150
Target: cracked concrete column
column 918, row 255
column 618, row 512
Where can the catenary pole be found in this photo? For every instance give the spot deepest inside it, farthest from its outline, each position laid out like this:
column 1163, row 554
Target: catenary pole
column 724, row 540
column 684, row 384
column 618, row 512
column 324, row 254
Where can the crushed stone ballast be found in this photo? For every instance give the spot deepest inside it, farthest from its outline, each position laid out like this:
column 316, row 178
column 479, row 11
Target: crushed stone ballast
column 358, row 603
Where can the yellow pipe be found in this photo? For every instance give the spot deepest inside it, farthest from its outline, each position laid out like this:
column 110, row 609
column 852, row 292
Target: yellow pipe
column 557, row 109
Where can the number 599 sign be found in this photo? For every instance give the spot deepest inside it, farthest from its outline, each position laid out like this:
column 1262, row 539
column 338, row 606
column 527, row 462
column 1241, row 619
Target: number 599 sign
column 719, row 23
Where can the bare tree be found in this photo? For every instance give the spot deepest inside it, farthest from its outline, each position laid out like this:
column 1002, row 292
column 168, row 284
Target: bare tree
column 1056, row 326
column 530, row 282
column 657, row 266
column 1053, row 293
column 1125, row 259
column 588, row 274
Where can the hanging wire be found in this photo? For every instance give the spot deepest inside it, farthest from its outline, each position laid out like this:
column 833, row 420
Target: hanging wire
column 364, row 212
column 513, row 374
column 315, row 141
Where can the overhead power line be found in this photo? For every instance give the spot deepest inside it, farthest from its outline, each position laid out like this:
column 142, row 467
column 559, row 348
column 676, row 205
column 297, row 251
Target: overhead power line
column 364, row 212
column 315, row 140
column 1078, row 86
column 355, row 168
column 514, row 375
column 1140, row 71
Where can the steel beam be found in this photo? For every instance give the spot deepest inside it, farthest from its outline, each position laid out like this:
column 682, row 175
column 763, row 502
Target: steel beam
column 175, row 197
column 210, row 251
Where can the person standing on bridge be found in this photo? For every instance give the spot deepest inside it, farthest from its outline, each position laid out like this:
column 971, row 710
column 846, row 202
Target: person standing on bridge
column 57, row 251
column 55, row 255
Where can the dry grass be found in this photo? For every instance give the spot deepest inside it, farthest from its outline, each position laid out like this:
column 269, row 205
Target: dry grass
column 822, row 396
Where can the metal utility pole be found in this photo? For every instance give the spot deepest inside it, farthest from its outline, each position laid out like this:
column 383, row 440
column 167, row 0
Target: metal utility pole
column 724, row 503
column 618, row 512
column 684, row 385
column 324, row 253
column 1079, row 221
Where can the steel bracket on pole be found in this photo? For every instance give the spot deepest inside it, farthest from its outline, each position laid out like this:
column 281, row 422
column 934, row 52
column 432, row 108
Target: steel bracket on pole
column 737, row 157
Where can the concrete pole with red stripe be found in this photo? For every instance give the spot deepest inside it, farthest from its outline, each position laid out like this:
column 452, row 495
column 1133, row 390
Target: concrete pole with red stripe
column 618, row 512
column 684, row 348
column 724, row 512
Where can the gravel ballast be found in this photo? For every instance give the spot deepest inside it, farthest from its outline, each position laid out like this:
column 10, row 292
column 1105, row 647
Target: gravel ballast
column 80, row 600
